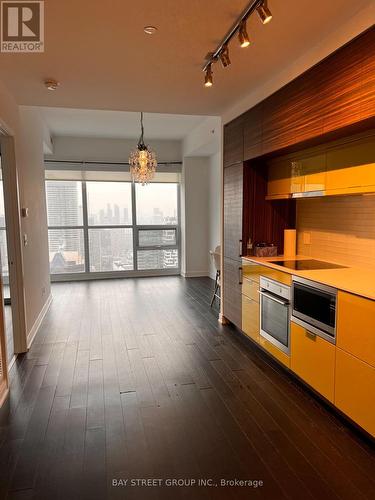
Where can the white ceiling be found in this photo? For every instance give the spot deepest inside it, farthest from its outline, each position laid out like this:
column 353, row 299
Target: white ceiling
column 103, row 59
column 116, row 124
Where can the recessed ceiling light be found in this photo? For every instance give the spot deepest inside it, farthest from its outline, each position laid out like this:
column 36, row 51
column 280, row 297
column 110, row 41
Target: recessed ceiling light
column 150, row 30
column 51, row 84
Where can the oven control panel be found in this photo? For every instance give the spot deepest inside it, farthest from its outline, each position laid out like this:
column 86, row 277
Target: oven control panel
column 275, row 287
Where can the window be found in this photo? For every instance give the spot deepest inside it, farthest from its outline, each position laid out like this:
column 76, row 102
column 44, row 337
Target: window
column 112, row 227
column 65, row 227
column 156, row 204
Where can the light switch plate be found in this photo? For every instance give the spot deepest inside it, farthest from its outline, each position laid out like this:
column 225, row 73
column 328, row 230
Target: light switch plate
column 306, row 238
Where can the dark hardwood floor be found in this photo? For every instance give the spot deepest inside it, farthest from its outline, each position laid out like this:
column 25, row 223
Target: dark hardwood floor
column 136, row 379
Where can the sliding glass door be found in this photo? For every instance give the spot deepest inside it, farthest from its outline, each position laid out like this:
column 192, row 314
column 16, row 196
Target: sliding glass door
column 104, row 229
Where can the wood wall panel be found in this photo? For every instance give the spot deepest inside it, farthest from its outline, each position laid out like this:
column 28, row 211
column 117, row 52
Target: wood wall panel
column 232, row 296
column 368, row 88
column 233, row 205
column 337, row 93
column 265, row 221
column 253, row 132
column 233, row 142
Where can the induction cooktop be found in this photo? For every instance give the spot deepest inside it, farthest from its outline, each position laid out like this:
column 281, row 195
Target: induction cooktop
column 306, row 265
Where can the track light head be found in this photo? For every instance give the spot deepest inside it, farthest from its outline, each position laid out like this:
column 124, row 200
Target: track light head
column 224, row 56
column 208, row 79
column 264, row 12
column 243, row 36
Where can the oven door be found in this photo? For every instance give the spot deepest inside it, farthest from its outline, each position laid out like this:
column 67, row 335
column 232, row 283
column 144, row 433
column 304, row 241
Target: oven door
column 274, row 320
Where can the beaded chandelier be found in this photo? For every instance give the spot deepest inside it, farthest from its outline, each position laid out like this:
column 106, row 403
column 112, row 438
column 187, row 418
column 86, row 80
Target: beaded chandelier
column 142, row 161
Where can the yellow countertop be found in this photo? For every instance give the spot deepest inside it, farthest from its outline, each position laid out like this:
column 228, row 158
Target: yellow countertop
column 354, row 280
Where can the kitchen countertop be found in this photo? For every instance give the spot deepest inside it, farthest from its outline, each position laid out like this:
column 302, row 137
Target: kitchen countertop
column 354, row 280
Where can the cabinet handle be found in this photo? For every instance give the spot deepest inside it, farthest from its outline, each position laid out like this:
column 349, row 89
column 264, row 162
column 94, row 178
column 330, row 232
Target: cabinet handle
column 240, row 280
column 310, row 335
column 240, row 247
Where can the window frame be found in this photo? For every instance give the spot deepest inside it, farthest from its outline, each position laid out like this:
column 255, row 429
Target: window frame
column 88, row 275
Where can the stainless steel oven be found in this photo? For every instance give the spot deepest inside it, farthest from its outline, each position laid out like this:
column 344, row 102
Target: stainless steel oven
column 314, row 307
column 275, row 313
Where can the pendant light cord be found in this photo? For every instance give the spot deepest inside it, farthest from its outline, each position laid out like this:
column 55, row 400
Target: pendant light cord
column 141, row 140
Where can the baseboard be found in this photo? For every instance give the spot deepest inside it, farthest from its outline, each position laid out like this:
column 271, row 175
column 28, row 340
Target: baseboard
column 195, row 274
column 12, row 361
column 38, row 322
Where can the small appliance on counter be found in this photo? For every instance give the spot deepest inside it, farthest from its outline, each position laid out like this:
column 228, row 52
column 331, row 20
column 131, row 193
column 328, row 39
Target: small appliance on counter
column 265, row 250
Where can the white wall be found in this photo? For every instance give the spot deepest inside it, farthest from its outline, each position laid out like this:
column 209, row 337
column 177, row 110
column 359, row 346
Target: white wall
column 28, row 138
column 195, row 217
column 214, row 206
column 116, row 150
column 32, row 196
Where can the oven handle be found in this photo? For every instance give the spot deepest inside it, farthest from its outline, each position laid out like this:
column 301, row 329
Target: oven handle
column 284, row 303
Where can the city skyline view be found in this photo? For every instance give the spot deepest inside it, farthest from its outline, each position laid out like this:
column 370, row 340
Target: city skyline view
column 111, row 248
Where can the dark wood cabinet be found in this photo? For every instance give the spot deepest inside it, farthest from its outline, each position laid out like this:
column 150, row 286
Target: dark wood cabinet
column 337, row 93
column 233, row 207
column 233, row 142
column 232, row 296
column 253, row 132
column 233, row 213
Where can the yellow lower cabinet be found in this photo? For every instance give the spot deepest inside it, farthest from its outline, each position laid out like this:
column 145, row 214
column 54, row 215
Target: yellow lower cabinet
column 250, row 289
column 355, row 390
column 313, row 359
column 356, row 326
column 276, row 353
column 250, row 318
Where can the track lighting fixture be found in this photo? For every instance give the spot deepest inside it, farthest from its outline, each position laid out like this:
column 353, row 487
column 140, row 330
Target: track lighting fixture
column 224, row 56
column 239, row 27
column 264, row 12
column 242, row 35
column 208, row 80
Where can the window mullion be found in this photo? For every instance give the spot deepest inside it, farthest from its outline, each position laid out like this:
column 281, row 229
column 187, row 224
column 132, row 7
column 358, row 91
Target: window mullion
column 135, row 233
column 85, row 227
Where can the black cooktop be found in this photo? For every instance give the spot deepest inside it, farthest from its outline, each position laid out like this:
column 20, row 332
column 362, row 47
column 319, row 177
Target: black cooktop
column 306, row 265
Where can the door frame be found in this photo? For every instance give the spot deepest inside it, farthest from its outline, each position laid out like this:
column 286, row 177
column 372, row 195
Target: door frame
column 14, row 238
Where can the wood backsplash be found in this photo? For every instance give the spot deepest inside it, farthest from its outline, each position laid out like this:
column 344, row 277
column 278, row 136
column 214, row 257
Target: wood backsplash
column 340, row 229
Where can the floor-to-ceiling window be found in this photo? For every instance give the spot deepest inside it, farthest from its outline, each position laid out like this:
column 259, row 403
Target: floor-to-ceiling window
column 105, row 228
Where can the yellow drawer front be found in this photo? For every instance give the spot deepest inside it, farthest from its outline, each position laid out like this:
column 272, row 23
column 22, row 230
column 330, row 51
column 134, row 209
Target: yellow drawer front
column 276, row 353
column 251, row 271
column 276, row 275
column 355, row 390
column 250, row 318
column 313, row 359
column 356, row 326
column 250, row 289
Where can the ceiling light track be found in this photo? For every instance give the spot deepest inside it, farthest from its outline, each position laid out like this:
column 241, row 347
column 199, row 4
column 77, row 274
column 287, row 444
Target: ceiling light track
column 222, row 52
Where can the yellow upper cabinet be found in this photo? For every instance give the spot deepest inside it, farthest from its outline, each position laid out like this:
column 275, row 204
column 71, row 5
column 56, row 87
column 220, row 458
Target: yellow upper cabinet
column 313, row 359
column 293, row 175
column 279, row 179
column 334, row 169
column 351, row 168
column 356, row 326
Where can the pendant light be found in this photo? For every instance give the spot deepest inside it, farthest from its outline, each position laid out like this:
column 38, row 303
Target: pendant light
column 142, row 161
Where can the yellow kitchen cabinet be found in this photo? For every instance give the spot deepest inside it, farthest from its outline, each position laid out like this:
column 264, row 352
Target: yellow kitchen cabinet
column 313, row 360
column 250, row 289
column 356, row 326
column 250, row 318
column 253, row 272
column 274, row 351
column 355, row 390
column 309, row 173
column 351, row 167
column 279, row 180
